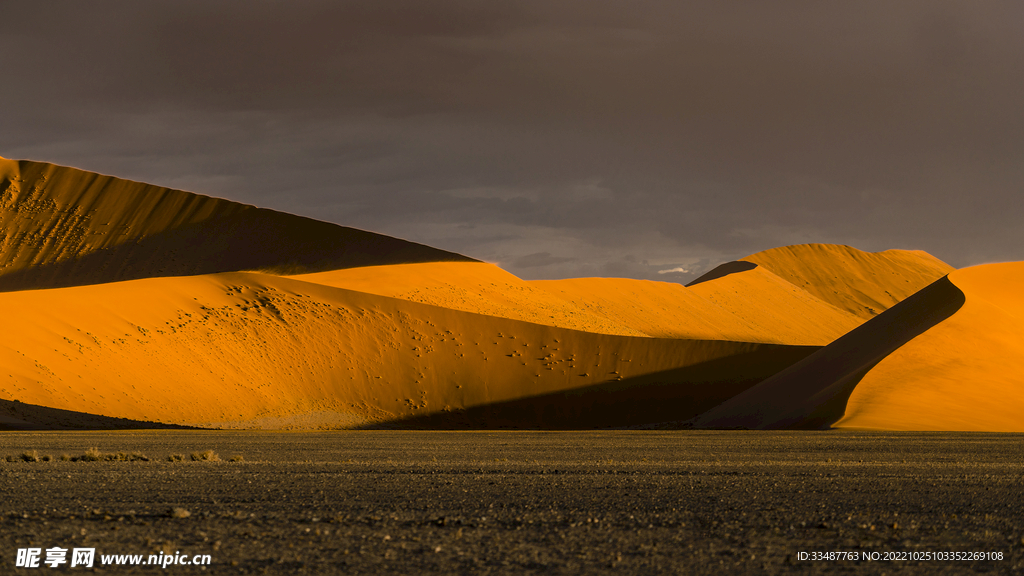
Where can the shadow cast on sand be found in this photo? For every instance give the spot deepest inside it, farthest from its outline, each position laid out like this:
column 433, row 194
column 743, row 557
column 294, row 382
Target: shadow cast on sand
column 252, row 239
column 15, row 415
column 813, row 393
column 668, row 397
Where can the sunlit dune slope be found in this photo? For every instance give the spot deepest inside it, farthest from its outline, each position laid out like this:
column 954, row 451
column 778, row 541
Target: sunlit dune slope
column 63, row 227
column 256, row 350
column 809, row 295
column 965, row 373
column 861, row 283
column 754, row 306
column 775, row 309
column 471, row 287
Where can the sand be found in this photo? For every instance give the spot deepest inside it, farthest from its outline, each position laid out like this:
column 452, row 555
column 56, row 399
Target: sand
column 966, row 373
column 475, row 287
column 950, row 357
column 752, row 305
column 256, row 350
column 809, row 294
column 65, row 227
column 861, row 283
column 812, row 393
column 127, row 303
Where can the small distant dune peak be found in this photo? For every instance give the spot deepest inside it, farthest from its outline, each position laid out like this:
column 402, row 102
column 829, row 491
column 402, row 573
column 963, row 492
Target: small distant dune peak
column 861, row 283
column 62, row 226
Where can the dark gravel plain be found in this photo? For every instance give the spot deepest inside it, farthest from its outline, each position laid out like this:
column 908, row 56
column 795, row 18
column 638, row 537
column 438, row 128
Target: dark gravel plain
column 517, row 502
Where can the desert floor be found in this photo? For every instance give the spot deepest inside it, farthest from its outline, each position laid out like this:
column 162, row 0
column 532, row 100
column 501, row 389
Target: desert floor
column 497, row 502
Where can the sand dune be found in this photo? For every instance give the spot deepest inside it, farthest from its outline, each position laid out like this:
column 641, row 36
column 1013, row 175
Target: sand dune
column 966, row 373
column 809, row 295
column 861, row 283
column 747, row 304
column 756, row 307
column 127, row 303
column 812, row 393
column 255, row 350
column 752, row 307
column 472, row 287
column 950, row 357
column 64, row 227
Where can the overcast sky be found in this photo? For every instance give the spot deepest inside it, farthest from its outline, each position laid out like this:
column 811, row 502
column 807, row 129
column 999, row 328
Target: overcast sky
column 556, row 138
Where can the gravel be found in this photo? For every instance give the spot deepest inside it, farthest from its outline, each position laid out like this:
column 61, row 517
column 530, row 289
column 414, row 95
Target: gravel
column 518, row 502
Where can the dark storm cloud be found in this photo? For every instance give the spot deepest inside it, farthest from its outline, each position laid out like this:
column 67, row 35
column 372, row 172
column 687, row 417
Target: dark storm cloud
column 621, row 138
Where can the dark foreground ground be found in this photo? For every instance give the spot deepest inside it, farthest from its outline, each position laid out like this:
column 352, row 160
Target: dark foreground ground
column 612, row 502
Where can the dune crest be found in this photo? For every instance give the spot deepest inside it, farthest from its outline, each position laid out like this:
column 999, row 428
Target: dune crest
column 62, row 226
column 861, row 283
column 808, row 295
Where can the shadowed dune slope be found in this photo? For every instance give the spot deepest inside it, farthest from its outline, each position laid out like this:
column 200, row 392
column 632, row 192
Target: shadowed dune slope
column 63, row 227
column 861, row 283
column 22, row 416
column 813, row 393
column 256, row 350
column 966, row 373
column 471, row 287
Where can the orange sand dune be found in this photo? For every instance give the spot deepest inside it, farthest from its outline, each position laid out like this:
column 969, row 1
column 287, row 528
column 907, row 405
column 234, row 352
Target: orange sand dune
column 768, row 297
column 950, row 357
column 751, row 305
column 256, row 350
column 861, row 283
column 812, row 393
column 966, row 373
column 754, row 306
column 129, row 301
column 63, row 227
column 471, row 287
